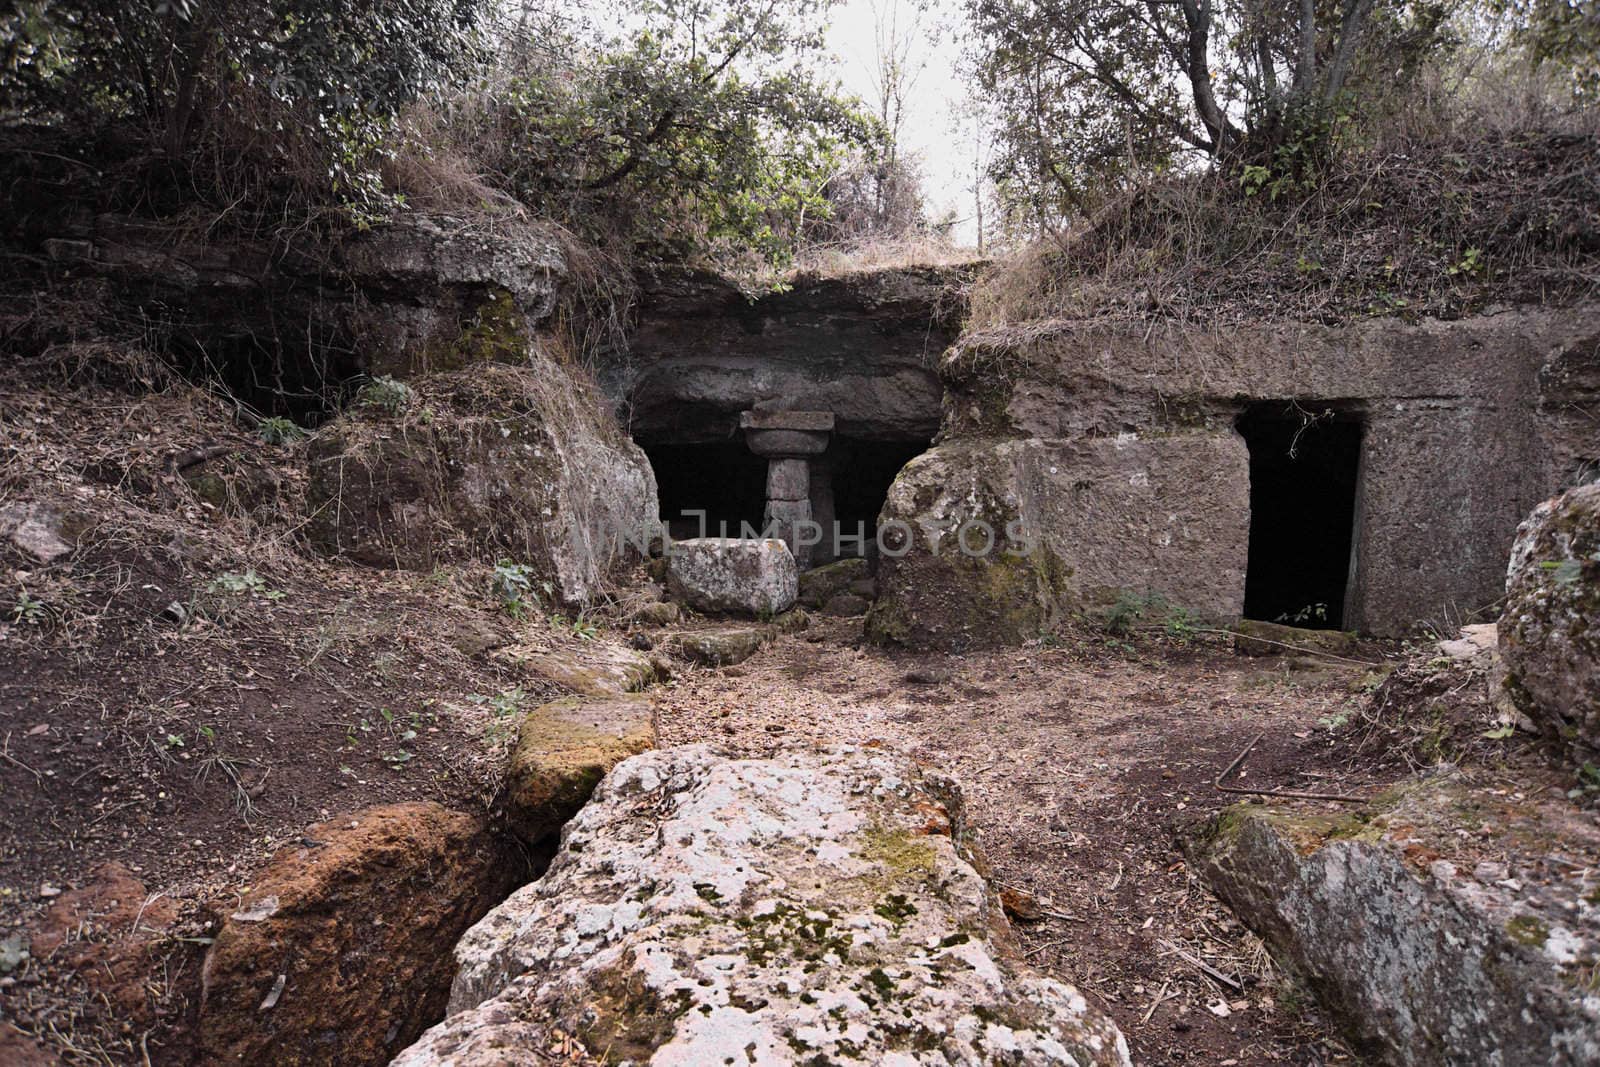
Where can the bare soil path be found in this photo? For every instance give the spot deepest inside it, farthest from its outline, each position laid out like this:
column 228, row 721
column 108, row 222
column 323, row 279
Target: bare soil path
column 1079, row 766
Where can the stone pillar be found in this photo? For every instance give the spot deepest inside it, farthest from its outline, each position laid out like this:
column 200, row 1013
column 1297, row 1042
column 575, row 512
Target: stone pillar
column 788, row 439
column 822, row 512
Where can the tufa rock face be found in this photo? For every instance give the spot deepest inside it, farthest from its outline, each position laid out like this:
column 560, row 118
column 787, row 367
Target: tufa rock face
column 861, row 347
column 1433, row 926
column 1550, row 633
column 812, row 907
column 493, row 461
column 563, row 750
column 440, row 293
column 740, row 576
column 1116, row 443
column 340, row 953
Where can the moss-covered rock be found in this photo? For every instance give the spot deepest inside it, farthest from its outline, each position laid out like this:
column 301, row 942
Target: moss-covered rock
column 1442, row 923
column 724, row 646
column 819, row 584
column 594, row 668
column 563, row 750
column 495, row 461
column 810, row 908
column 1252, row 637
column 1550, row 632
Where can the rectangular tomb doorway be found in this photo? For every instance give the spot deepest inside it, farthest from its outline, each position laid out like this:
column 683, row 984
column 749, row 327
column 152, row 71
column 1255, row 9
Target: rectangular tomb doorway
column 1305, row 472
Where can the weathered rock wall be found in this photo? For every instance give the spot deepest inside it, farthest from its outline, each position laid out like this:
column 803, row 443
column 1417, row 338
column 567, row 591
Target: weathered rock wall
column 863, row 347
column 502, row 446
column 1550, row 633
column 1140, row 482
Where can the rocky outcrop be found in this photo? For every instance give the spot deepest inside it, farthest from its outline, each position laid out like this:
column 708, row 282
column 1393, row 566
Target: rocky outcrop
column 340, row 951
column 748, row 576
column 1447, row 923
column 492, row 461
column 993, row 541
column 440, row 293
column 811, row 907
column 39, row 532
column 1115, row 446
column 862, row 347
column 1550, row 632
column 563, row 750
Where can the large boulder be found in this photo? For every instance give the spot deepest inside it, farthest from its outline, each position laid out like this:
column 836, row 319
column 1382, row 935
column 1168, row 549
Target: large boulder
column 814, row 907
column 1550, row 632
column 991, row 541
column 744, row 576
column 340, row 951
column 1447, row 923
column 493, row 461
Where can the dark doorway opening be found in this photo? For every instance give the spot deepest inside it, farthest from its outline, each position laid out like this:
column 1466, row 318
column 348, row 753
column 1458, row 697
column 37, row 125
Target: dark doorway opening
column 726, row 481
column 861, row 473
column 1304, row 469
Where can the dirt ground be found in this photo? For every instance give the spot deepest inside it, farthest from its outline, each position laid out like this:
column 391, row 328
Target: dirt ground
column 152, row 757
column 1079, row 765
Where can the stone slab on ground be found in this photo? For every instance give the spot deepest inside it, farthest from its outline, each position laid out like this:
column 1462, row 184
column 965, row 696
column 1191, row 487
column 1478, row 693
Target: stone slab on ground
column 339, row 953
column 594, row 668
column 746, row 576
column 1445, row 923
column 820, row 583
column 725, row 646
column 811, row 907
column 563, row 750
column 1253, row 637
column 1550, row 633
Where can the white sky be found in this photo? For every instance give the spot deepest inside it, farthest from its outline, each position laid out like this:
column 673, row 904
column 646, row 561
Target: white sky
column 932, row 133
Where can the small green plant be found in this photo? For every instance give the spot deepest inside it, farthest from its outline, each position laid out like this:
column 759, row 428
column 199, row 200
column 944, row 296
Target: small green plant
column 580, row 628
column 386, row 393
column 1311, row 613
column 28, row 610
column 1588, row 782
column 1471, row 264
column 248, row 583
column 232, row 582
column 512, row 584
column 1121, row 617
column 175, row 741
column 503, row 706
column 278, row 430
column 504, row 703
column 1131, row 609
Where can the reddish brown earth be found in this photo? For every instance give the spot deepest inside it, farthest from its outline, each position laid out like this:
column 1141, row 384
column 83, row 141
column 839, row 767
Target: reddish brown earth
column 151, row 762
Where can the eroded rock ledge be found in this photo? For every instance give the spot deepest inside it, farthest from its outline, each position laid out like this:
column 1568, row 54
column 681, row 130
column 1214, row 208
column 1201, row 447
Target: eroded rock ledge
column 810, row 908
